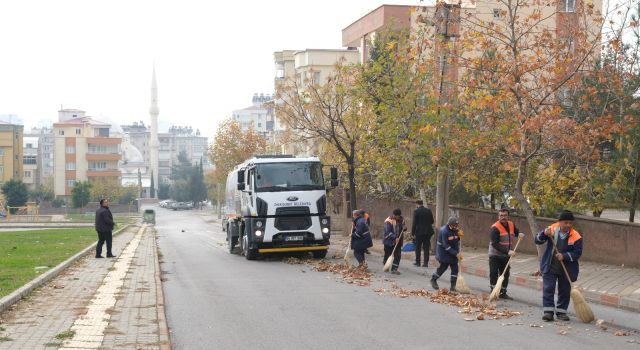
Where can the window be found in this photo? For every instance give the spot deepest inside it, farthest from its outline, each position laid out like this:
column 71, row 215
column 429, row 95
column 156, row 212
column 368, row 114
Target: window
column 496, row 13
column 101, row 149
column 259, row 125
column 70, row 166
column 568, row 5
column 70, row 149
column 97, row 165
column 316, row 77
column 29, row 145
column 77, row 131
column 29, row 160
column 61, row 132
column 70, row 183
column 103, row 132
column 1, row 151
column 27, row 174
column 1, row 171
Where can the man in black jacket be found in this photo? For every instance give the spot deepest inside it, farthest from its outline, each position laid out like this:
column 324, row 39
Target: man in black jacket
column 104, row 226
column 422, row 230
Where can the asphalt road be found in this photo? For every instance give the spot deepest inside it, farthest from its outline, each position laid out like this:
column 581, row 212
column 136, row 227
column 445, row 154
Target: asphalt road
column 215, row 300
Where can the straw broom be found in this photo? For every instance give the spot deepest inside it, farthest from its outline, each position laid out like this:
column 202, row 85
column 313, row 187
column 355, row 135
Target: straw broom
column 348, row 253
column 461, row 286
column 496, row 290
column 389, row 262
column 582, row 309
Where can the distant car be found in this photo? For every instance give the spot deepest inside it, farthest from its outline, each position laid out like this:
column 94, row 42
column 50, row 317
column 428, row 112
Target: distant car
column 181, row 206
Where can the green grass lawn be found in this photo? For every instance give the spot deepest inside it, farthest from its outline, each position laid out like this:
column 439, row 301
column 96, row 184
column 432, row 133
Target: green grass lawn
column 22, row 251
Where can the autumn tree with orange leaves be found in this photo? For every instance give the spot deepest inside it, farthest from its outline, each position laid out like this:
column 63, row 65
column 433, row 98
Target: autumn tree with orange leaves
column 520, row 66
column 230, row 147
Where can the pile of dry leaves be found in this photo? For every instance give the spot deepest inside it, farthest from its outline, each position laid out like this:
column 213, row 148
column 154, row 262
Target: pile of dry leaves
column 472, row 305
column 350, row 274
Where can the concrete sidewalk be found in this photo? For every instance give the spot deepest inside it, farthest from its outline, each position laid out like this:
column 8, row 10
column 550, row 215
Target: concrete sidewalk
column 614, row 286
column 96, row 303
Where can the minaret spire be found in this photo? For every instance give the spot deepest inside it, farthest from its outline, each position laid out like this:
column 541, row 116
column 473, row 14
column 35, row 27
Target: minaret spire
column 153, row 142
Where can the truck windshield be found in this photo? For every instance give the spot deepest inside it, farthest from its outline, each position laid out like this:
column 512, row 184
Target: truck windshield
column 272, row 177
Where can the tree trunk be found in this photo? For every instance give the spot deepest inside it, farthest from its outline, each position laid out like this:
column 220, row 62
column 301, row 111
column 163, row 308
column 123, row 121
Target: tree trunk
column 352, row 184
column 423, row 196
column 442, row 198
column 522, row 200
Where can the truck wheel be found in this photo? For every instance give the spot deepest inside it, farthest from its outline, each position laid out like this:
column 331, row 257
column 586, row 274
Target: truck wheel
column 232, row 241
column 249, row 254
column 319, row 254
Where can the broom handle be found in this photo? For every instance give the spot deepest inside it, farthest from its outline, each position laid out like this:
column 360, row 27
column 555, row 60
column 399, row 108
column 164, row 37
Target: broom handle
column 509, row 261
column 564, row 268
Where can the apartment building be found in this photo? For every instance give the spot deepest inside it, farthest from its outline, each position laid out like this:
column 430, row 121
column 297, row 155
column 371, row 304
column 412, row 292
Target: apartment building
column 11, row 151
column 30, row 161
column 84, row 150
column 177, row 139
column 305, row 67
column 449, row 22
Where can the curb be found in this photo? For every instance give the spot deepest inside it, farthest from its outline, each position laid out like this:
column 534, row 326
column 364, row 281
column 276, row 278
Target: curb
column 610, row 300
column 25, row 290
column 163, row 328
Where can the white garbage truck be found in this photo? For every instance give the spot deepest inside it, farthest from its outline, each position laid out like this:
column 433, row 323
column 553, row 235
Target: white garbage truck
column 278, row 204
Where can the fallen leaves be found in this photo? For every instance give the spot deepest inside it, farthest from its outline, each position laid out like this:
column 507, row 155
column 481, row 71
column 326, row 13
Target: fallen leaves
column 356, row 275
column 622, row 333
column 601, row 325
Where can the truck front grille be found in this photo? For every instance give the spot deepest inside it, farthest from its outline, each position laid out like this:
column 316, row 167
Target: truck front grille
column 292, row 218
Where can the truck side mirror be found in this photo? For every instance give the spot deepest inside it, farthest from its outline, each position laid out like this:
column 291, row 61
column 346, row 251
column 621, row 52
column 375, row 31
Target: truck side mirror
column 240, row 176
column 334, row 183
column 241, row 186
column 334, row 174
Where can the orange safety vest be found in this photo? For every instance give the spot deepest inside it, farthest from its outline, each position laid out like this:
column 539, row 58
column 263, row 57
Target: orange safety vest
column 506, row 238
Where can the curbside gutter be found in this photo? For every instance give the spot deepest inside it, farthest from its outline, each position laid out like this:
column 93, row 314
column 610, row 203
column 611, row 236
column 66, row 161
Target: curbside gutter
column 532, row 282
column 163, row 328
column 25, row 290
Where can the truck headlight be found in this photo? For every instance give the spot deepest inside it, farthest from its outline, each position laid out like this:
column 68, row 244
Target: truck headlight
column 324, row 221
column 259, row 224
column 325, row 230
column 258, row 233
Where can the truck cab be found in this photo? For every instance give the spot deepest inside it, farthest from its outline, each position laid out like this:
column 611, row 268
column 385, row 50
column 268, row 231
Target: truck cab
column 278, row 204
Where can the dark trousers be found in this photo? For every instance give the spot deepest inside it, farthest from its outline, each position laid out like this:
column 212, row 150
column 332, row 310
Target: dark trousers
column 442, row 268
column 359, row 255
column 102, row 238
column 423, row 243
column 396, row 256
column 549, row 290
column 497, row 264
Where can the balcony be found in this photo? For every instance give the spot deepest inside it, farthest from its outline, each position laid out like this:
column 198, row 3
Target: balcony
column 103, row 172
column 104, row 156
column 104, row 140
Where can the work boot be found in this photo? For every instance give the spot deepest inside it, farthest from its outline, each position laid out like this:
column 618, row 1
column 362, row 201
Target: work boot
column 505, row 296
column 562, row 316
column 453, row 287
column 366, row 251
column 434, row 283
column 417, row 263
column 548, row 316
column 395, row 272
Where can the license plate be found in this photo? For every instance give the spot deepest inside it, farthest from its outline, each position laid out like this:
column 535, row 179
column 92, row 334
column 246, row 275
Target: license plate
column 293, row 238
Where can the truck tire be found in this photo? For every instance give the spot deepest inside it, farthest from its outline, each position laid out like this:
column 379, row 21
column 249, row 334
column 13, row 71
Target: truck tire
column 232, row 242
column 319, row 254
column 249, row 254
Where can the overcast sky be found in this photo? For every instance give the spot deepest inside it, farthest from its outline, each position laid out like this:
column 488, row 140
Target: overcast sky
column 210, row 56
